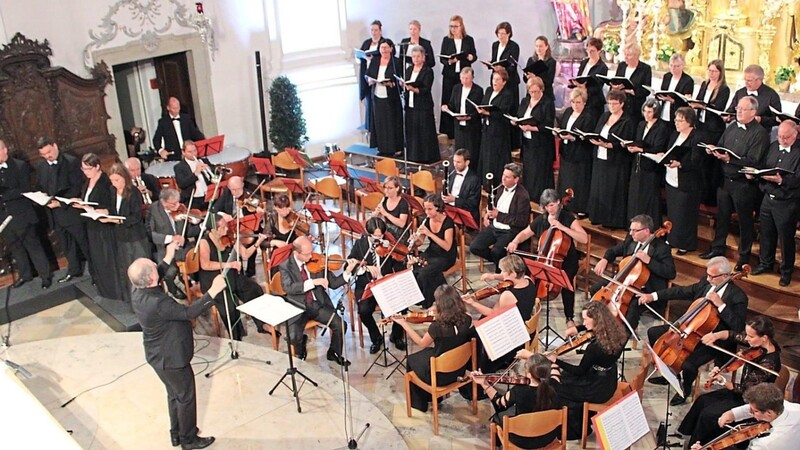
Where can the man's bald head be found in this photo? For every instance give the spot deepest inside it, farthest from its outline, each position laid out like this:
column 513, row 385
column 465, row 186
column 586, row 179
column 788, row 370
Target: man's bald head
column 143, row 273
column 173, row 107
column 787, row 133
column 134, row 167
column 235, row 183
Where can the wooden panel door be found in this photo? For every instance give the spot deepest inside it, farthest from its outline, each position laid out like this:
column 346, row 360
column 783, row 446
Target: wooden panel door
column 172, row 73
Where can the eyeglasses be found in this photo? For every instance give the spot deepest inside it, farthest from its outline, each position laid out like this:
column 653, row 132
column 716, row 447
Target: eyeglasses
column 711, row 277
column 745, row 109
column 455, row 26
column 636, row 230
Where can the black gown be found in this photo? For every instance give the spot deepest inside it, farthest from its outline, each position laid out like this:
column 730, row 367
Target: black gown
column 644, row 194
column 548, row 77
column 711, row 127
column 683, row 202
column 597, row 101
column 132, row 242
column 641, row 76
column 468, row 135
column 387, row 117
column 451, row 77
column 438, row 260
column 364, row 94
column 421, row 141
column 608, row 197
column 575, row 163
column 495, row 134
column 103, row 251
column 522, row 400
column 538, row 151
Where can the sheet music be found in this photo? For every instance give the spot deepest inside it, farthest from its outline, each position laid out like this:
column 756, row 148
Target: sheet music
column 270, row 309
column 69, row 201
column 95, row 215
column 39, row 197
column 502, row 332
column 622, row 424
column 397, row 292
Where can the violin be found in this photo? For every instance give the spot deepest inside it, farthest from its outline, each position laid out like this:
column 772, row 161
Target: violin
column 573, row 343
column 318, row 262
column 735, row 363
column 633, row 272
column 195, row 216
column 673, row 347
column 488, row 291
column 251, row 204
column 390, row 248
column 553, row 246
column 412, row 317
column 495, row 378
column 737, row 434
column 294, row 223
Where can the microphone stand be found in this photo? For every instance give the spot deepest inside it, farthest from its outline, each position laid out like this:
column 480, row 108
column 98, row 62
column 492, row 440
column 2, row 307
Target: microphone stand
column 6, row 344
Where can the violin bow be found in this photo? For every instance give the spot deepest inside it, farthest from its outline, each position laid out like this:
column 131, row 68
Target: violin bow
column 505, row 372
column 745, row 360
column 186, row 221
column 396, row 243
column 291, row 231
column 638, row 293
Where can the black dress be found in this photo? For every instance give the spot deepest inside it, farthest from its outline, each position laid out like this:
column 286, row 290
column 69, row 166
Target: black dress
column 526, row 300
column 421, row 141
column 608, row 197
column 538, row 150
column 496, row 134
column 575, row 163
column 644, row 194
column 522, row 398
column 132, row 242
column 438, row 260
column 103, row 251
column 451, row 77
column 594, row 88
column 548, row 77
column 510, row 54
column 683, row 202
column 642, row 76
column 711, row 127
column 540, row 226
column 364, row 93
column 445, row 337
column 387, row 117
column 399, row 210
column 468, row 132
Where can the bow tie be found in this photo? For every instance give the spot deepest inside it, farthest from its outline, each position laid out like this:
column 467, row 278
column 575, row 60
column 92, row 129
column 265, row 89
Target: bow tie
column 742, row 126
column 783, row 149
column 459, row 174
column 176, row 119
column 511, row 190
column 753, row 93
column 3, row 166
column 52, row 163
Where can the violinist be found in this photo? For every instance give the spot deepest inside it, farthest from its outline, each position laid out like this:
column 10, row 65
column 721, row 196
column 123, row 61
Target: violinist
column 393, row 208
column 656, row 256
column 441, row 253
column 701, row 420
column 193, row 175
column 731, row 304
column 215, row 250
column 365, row 250
column 765, row 403
column 281, row 222
column 556, row 218
column 228, row 206
column 450, row 329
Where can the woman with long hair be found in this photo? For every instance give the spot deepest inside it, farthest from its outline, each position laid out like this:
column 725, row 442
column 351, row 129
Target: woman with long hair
column 442, row 250
column 394, row 208
column 715, row 92
column 542, row 52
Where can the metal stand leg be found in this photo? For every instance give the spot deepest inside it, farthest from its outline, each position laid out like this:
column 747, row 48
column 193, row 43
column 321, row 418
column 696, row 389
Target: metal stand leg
column 291, row 372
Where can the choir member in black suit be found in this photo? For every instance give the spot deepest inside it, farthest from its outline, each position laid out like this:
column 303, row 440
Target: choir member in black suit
column 640, row 75
column 467, row 132
column 506, row 49
column 414, row 39
column 496, row 131
column 193, row 176
column 387, row 117
column 364, row 91
column 749, row 141
column 60, row 174
column 464, row 185
column 714, row 91
column 174, row 128
column 644, row 192
column 457, row 42
column 656, row 255
column 611, row 166
column 779, row 207
column 683, row 182
column 103, row 251
column 20, row 233
column 593, row 65
column 442, row 250
column 575, row 169
column 676, row 80
column 538, row 146
column 730, row 301
column 421, row 142
column 542, row 52
column 146, row 184
column 767, row 97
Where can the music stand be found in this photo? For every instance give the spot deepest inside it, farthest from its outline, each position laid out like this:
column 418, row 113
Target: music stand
column 463, row 219
column 369, row 184
column 548, row 274
column 213, row 191
column 279, row 255
column 300, row 158
column 339, row 169
column 398, row 363
column 413, row 203
column 263, row 166
column 347, row 223
column 209, row 146
column 294, row 186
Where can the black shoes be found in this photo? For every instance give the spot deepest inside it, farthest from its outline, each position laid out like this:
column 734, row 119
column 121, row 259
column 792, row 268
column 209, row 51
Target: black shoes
column 761, row 269
column 681, row 252
column 711, row 254
column 785, row 280
column 198, row 442
column 399, row 342
column 176, row 441
column 332, row 356
column 301, row 353
column 375, row 347
column 46, row 283
column 661, row 381
column 19, row 283
column 677, row 400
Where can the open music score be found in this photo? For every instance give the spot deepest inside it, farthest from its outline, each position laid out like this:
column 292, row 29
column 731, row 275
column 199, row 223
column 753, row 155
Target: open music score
column 396, row 292
column 502, row 332
column 622, row 424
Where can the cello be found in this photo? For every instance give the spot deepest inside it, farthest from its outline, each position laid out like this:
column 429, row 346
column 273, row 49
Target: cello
column 633, row 272
column 674, row 346
column 553, row 247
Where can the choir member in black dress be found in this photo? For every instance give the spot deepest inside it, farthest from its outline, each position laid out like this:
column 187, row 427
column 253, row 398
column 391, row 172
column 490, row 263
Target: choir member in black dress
column 374, row 267
column 506, row 49
column 467, row 132
column 394, row 208
column 683, row 182
column 611, row 166
column 457, row 42
column 387, row 107
column 538, row 145
column 700, row 423
column 449, row 330
column 496, row 131
column 640, row 75
column 778, row 213
column 538, row 395
column 370, row 45
column 442, row 248
column 555, row 217
column 767, row 97
column 715, row 92
column 421, row 141
column 414, row 39
column 644, row 192
column 214, row 252
column 575, row 165
column 593, row 65
column 542, row 52
column 676, row 80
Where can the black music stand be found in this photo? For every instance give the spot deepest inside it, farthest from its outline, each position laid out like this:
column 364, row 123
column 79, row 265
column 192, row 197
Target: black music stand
column 279, row 255
column 385, row 352
column 463, row 219
column 548, row 274
column 339, row 168
column 300, row 158
column 294, row 186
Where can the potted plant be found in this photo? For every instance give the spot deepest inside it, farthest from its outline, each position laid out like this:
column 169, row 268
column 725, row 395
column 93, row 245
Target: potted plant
column 784, row 75
column 663, row 55
column 610, row 48
column 287, row 127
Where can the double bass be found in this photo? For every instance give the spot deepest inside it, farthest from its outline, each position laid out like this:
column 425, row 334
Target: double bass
column 633, row 272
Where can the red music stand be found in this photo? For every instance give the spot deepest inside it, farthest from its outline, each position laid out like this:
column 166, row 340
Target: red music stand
column 369, row 184
column 460, row 217
column 347, row 223
column 279, row 255
column 317, row 212
column 339, row 168
column 300, row 158
column 413, row 203
column 548, row 274
column 210, row 190
column 210, row 146
column 249, row 223
column 263, row 166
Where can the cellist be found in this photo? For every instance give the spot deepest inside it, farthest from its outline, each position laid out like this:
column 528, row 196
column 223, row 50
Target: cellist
column 656, row 256
column 731, row 303
column 557, row 218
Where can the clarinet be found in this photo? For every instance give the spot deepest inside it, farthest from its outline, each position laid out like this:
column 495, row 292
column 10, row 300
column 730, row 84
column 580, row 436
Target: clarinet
column 445, row 182
column 491, row 205
column 145, row 194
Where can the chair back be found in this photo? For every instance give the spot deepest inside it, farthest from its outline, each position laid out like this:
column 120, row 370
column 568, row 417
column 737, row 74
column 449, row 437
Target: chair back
column 534, row 425
column 337, row 156
column 783, row 378
column 386, row 167
column 422, row 180
column 454, row 359
column 284, row 161
column 275, row 286
column 532, row 325
column 328, row 187
column 192, row 262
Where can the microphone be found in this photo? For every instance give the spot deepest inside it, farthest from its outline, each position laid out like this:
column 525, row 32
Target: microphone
column 5, row 223
column 18, row 368
column 223, row 169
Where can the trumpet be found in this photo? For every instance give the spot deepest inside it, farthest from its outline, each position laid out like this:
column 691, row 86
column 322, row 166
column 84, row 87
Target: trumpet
column 445, row 182
column 146, row 194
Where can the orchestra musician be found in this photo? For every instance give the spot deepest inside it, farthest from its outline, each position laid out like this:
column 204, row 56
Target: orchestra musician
column 593, row 65
column 450, row 329
column 701, row 421
column 538, row 147
column 750, row 142
column 283, row 229
column 387, row 112
column 731, row 303
column 228, row 206
column 193, row 175
column 393, row 208
column 467, row 132
column 20, row 232
column 173, row 130
column 676, row 80
column 364, row 251
column 767, row 97
column 556, row 217
column 441, row 252
column 464, row 185
column 644, row 189
column 715, row 92
column 459, row 43
column 422, row 145
column 656, row 256
column 779, row 210
column 505, row 220
column 640, row 75
column 145, row 183
column 575, row 170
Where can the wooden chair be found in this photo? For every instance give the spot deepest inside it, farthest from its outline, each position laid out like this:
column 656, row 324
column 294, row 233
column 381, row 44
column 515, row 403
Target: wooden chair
column 285, row 162
column 360, row 326
column 449, row 361
column 273, row 186
column 421, row 180
column 533, row 328
column 461, row 260
column 276, row 288
column 368, row 202
column 189, row 266
column 623, row 388
column 585, row 265
column 531, row 425
column 328, row 188
column 387, row 168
